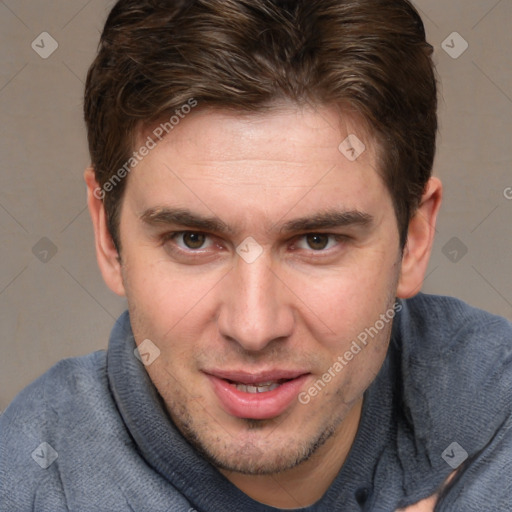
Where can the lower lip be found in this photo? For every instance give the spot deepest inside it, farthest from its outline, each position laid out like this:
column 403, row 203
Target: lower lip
column 257, row 406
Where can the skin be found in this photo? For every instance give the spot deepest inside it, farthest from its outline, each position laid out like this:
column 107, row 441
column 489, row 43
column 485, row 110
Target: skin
column 426, row 505
column 299, row 305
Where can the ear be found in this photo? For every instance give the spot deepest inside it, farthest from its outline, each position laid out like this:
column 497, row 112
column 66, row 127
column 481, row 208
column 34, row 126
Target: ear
column 420, row 237
column 106, row 252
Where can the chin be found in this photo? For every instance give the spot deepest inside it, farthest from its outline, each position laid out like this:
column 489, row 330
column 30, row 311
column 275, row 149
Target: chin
column 262, row 450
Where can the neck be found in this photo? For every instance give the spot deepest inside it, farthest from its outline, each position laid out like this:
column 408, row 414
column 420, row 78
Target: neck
column 305, row 484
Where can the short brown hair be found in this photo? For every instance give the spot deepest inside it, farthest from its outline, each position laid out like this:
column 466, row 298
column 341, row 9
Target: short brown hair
column 369, row 56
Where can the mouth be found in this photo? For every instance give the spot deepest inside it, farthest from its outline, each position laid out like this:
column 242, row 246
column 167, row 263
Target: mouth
column 261, row 395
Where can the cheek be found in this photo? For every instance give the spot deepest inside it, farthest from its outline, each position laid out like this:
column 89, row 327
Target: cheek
column 345, row 301
column 156, row 287
column 349, row 324
column 167, row 305
column 359, row 369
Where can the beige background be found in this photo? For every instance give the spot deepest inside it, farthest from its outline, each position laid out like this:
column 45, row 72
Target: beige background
column 60, row 308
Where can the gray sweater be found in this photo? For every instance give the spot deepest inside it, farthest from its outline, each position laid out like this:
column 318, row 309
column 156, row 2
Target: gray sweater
column 92, row 434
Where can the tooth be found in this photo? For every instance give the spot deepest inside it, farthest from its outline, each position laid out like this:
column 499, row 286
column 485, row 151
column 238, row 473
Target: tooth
column 258, row 388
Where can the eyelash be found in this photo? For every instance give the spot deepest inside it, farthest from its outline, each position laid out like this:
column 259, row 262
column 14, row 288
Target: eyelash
column 173, row 235
column 191, row 252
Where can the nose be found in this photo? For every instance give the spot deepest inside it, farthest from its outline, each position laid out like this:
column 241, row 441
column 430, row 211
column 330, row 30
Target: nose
column 256, row 308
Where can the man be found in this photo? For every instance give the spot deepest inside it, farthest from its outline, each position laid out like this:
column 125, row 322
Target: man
column 261, row 193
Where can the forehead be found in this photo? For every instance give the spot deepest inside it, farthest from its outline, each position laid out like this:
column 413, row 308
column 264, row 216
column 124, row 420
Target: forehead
column 289, row 153
column 284, row 130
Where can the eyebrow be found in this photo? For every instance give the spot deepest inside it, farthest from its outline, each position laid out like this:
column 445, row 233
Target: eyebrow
column 329, row 220
column 324, row 220
column 183, row 217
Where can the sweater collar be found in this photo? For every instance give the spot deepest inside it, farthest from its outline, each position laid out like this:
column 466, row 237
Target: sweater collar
column 168, row 452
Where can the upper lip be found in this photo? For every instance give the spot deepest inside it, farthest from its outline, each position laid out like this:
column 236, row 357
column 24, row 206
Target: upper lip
column 243, row 377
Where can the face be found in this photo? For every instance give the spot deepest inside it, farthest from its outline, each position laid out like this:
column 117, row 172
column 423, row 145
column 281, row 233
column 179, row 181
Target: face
column 254, row 253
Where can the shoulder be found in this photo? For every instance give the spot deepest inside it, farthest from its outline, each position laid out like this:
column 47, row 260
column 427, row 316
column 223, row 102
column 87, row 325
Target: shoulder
column 431, row 328
column 34, row 425
column 68, row 384
column 455, row 372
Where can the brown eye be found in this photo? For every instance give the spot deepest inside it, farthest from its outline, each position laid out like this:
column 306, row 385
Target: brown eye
column 317, row 242
column 193, row 240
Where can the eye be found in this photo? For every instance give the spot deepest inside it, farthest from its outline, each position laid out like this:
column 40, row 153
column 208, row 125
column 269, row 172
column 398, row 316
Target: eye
column 192, row 247
column 317, row 241
column 191, row 240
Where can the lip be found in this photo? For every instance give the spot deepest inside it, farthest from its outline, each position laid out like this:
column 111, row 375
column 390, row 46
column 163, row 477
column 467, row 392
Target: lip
column 260, row 406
